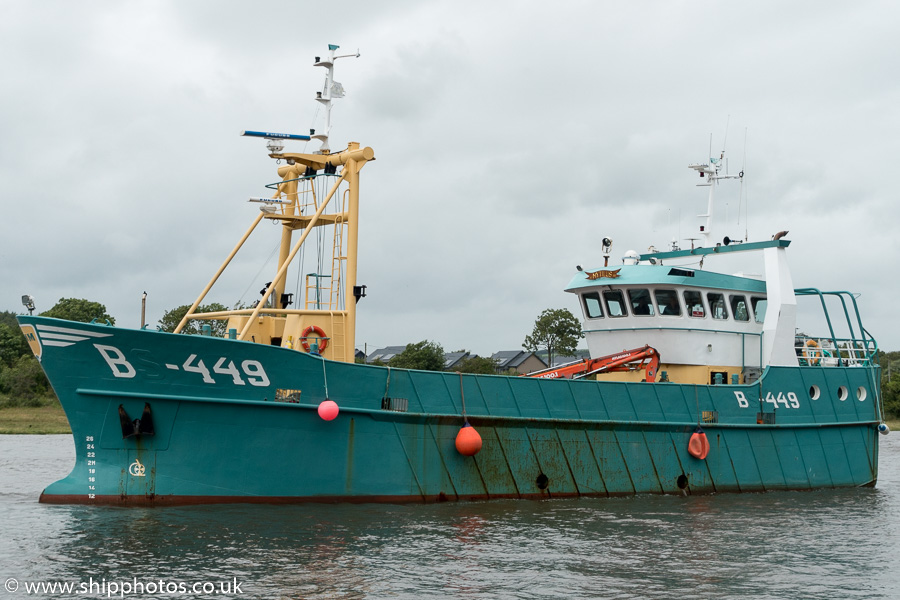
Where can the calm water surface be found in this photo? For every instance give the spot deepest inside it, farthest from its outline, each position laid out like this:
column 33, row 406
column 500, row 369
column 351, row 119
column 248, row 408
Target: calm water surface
column 828, row 544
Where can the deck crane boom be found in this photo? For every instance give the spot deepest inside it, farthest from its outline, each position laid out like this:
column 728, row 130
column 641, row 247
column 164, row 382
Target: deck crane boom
column 646, row 358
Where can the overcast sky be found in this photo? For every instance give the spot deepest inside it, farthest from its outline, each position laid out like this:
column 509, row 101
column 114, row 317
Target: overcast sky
column 510, row 138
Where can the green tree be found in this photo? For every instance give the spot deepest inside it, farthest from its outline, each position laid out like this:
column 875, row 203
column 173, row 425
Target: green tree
column 78, row 309
column 556, row 330
column 25, row 382
column 425, row 356
column 22, row 381
column 8, row 318
column 172, row 318
column 891, row 394
column 12, row 345
column 477, row 364
column 890, row 382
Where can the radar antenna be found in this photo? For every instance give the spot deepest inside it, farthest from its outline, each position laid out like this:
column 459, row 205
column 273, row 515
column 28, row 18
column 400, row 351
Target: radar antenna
column 330, row 92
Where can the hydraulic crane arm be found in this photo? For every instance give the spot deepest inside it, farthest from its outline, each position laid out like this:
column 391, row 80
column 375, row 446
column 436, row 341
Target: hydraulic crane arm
column 645, row 358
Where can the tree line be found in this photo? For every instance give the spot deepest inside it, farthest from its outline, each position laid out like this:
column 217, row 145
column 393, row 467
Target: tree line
column 556, row 332
column 429, row 356
column 890, row 382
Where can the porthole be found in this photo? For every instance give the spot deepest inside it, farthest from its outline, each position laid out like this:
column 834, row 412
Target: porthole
column 843, row 393
column 861, row 393
column 814, row 392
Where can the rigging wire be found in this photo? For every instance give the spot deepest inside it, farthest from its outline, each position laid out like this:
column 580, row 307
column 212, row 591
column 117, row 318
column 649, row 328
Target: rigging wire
column 312, row 126
column 300, row 263
column 320, row 252
column 302, row 260
column 255, row 278
column 342, row 264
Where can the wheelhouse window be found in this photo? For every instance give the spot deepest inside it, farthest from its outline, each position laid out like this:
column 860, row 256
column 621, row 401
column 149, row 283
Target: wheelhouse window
column 667, row 301
column 615, row 303
column 739, row 308
column 759, row 308
column 592, row 308
column 641, row 304
column 717, row 305
column 693, row 300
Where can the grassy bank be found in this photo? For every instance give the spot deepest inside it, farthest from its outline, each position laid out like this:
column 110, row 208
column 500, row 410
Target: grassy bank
column 38, row 419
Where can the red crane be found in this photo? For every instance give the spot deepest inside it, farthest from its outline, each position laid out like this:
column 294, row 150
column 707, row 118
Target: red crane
column 645, row 358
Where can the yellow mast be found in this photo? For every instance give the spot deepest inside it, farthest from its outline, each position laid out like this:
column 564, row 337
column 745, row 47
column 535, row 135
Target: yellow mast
column 353, row 166
column 272, row 322
column 289, row 188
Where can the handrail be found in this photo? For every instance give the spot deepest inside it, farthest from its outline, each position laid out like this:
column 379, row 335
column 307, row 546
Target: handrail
column 854, row 344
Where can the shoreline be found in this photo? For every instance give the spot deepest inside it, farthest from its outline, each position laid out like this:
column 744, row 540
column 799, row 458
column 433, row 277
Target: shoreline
column 37, row 420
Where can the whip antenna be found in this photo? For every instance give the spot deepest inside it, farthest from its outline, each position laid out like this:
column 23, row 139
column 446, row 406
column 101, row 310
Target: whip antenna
column 741, row 197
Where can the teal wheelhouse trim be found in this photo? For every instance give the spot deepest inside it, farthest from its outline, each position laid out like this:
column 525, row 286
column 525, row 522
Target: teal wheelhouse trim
column 667, row 276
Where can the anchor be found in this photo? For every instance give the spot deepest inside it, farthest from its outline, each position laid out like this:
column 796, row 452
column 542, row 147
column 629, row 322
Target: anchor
column 137, row 427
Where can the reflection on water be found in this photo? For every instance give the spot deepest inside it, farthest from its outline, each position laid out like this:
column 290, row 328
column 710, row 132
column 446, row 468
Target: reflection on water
column 828, row 544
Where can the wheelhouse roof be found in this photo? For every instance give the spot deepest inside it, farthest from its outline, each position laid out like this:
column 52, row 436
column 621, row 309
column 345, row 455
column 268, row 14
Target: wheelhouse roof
column 662, row 276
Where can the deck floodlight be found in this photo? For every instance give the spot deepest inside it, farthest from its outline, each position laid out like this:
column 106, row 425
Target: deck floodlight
column 606, row 244
column 28, row 302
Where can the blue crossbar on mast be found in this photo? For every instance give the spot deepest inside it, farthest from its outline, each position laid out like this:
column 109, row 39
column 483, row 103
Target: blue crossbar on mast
column 276, row 136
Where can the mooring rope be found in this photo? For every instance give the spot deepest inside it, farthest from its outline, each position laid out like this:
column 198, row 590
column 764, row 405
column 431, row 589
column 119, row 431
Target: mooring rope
column 387, row 384
column 462, row 394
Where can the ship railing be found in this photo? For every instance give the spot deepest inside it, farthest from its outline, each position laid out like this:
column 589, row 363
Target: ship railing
column 858, row 349
column 831, row 352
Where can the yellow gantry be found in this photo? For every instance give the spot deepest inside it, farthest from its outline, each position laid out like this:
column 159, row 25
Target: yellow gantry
column 269, row 322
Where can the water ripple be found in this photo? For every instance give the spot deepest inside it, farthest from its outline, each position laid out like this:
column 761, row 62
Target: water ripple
column 824, row 544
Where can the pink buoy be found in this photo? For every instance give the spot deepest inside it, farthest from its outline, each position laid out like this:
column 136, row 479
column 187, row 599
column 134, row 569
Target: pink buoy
column 329, row 410
column 468, row 442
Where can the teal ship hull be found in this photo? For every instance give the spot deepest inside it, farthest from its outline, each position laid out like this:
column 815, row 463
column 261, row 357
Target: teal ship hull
column 161, row 419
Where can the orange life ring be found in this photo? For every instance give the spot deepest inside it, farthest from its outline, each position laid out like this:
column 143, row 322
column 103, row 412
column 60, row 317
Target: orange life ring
column 323, row 341
column 812, row 352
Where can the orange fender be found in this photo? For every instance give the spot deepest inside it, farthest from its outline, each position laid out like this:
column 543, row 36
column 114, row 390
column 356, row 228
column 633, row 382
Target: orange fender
column 698, row 446
column 468, row 442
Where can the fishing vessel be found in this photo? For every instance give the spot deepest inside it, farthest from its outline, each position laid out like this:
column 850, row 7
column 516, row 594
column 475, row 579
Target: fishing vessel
column 698, row 381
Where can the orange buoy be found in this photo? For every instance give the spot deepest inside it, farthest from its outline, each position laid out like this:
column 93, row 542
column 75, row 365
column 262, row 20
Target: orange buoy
column 328, row 410
column 698, row 446
column 468, row 442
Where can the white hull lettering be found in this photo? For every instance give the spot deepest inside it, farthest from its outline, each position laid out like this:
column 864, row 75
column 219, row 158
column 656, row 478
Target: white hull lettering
column 116, row 361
